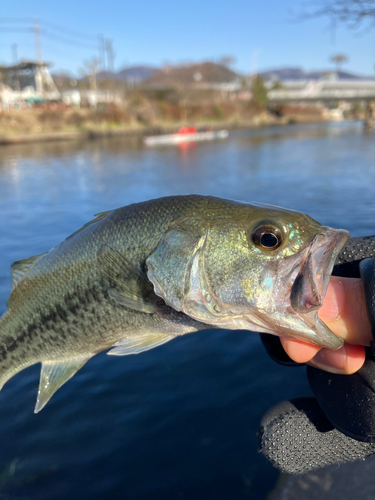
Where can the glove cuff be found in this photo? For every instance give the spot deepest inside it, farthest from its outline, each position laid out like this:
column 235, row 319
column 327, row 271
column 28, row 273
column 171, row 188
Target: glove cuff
column 367, row 270
column 297, row 437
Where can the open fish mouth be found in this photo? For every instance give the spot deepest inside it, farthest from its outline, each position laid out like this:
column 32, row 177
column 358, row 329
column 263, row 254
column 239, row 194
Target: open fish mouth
column 311, row 283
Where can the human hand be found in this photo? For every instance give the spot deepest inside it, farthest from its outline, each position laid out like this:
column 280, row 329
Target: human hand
column 344, row 311
column 338, row 426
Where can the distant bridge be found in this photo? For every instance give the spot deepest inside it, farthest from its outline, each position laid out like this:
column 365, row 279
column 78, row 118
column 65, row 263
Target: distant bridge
column 313, row 91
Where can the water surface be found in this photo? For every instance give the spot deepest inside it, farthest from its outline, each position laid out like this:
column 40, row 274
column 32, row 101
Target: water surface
column 179, row 421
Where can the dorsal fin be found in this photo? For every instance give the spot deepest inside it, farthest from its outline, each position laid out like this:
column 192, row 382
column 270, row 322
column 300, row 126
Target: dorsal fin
column 130, row 287
column 20, row 267
column 53, row 375
column 98, row 217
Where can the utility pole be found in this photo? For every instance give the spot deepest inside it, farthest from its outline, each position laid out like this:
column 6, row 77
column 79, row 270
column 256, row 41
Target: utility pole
column 254, row 63
column 110, row 55
column 15, row 61
column 38, row 48
column 14, row 53
column 38, row 51
column 101, row 43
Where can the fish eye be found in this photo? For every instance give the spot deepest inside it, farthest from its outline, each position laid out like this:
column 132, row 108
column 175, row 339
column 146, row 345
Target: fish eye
column 267, row 237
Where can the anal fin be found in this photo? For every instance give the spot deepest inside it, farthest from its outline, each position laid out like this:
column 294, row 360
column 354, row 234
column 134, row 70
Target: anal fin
column 53, row 375
column 140, row 344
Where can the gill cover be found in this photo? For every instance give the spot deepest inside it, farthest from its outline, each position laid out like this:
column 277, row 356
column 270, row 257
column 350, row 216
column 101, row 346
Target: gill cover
column 170, row 267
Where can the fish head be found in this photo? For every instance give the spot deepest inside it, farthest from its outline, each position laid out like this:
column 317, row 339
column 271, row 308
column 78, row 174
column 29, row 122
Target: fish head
column 250, row 266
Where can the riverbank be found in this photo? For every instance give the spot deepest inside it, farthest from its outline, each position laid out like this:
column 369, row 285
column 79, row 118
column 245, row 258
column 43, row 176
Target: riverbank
column 97, row 133
column 45, row 125
column 136, row 131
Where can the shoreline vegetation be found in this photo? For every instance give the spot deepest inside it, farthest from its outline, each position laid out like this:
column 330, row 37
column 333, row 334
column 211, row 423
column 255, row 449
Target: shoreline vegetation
column 16, row 132
column 56, row 123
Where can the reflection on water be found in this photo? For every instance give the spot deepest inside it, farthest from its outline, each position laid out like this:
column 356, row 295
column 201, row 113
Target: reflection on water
column 178, row 421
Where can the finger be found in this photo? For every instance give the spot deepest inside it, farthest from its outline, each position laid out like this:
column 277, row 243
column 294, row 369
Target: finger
column 299, row 351
column 344, row 310
column 346, row 360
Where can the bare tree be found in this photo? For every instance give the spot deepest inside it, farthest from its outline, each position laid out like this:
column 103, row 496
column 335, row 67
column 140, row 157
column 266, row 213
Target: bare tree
column 227, row 61
column 353, row 13
column 90, row 70
column 339, row 60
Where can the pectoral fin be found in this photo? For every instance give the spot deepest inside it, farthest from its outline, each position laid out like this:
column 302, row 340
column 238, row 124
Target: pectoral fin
column 128, row 285
column 140, row 344
column 53, row 375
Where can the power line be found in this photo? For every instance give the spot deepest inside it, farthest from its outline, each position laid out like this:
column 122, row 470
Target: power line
column 69, row 32
column 53, row 36
column 16, row 30
column 52, row 26
column 60, row 39
column 48, row 30
column 16, row 20
column 48, row 35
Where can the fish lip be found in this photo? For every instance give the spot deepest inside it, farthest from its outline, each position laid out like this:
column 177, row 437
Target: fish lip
column 310, row 285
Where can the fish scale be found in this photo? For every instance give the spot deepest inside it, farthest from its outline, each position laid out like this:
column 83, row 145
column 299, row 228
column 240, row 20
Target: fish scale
column 138, row 276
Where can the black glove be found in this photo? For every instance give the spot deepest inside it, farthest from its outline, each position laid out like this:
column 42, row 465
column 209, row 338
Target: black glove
column 339, row 425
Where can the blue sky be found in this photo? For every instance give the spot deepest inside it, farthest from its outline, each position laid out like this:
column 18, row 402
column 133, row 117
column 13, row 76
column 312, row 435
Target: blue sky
column 182, row 31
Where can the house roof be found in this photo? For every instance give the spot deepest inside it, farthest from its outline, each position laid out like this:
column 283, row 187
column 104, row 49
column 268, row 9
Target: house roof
column 25, row 65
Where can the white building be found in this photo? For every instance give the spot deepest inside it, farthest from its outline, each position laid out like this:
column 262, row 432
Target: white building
column 26, row 82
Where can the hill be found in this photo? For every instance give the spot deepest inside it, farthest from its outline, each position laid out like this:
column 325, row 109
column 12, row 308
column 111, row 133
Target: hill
column 205, row 72
column 133, row 74
column 301, row 74
column 136, row 73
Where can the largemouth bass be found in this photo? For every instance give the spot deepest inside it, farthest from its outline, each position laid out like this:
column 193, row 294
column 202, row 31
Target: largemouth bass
column 137, row 277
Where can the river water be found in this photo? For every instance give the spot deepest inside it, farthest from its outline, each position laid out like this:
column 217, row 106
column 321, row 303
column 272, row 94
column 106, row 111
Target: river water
column 178, row 421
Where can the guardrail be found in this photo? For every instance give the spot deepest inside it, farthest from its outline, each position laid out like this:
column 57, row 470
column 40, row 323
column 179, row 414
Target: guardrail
column 324, row 91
